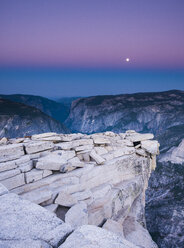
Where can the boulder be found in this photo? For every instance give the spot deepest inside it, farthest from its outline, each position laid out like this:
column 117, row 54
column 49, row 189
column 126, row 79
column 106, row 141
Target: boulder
column 38, row 195
column 99, row 160
column 8, row 174
column 123, row 151
column 51, row 162
column 75, row 143
column 151, row 146
column 25, row 167
column 71, row 165
column 11, row 152
column 8, row 166
column 3, row 141
column 42, row 135
column 24, row 243
column 95, row 237
column 137, row 234
column 52, row 207
column 82, row 195
column 14, row 182
column 71, row 137
column 83, row 148
column 100, row 140
column 35, row 175
column 100, row 191
column 114, row 226
column 140, row 137
column 65, row 199
column 100, row 150
column 77, row 215
column 23, row 220
column 38, row 146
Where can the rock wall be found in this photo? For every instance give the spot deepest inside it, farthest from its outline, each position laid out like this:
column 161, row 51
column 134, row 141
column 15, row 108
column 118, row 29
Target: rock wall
column 97, row 179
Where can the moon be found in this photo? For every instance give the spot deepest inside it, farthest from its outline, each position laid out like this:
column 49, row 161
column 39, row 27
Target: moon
column 127, row 60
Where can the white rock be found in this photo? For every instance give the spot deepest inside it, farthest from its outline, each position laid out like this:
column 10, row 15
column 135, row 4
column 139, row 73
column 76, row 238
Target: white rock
column 83, row 148
column 75, row 143
column 65, row 199
column 122, row 135
column 100, row 150
column 129, row 132
column 151, row 146
column 3, row 141
column 35, row 175
column 24, row 243
column 7, row 166
column 137, row 234
column 71, row 137
column 109, row 148
column 51, row 162
column 123, row 151
column 125, row 142
column 71, row 165
column 11, row 152
column 46, row 173
column 14, row 182
column 96, row 157
column 26, row 166
column 100, row 191
column 38, row 146
column 22, row 160
column 18, row 140
column 110, row 134
column 37, row 196
column 42, row 135
column 52, row 207
column 8, row 174
column 108, row 156
column 82, row 195
column 77, row 215
column 89, row 236
column 54, row 139
column 100, row 140
column 86, row 157
column 65, row 154
column 22, row 220
column 140, row 137
column 141, row 152
column 114, row 226
column 84, row 152
column 79, row 156
column 3, row 190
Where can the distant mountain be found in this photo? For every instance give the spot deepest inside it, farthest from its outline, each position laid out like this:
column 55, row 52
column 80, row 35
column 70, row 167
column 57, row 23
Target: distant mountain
column 67, row 101
column 18, row 120
column 56, row 110
column 153, row 112
column 161, row 113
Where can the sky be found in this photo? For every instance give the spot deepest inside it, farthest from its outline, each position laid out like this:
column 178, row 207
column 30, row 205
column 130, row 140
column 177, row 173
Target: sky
column 79, row 47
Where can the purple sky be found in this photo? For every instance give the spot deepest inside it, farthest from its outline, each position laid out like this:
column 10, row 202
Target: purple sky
column 92, row 33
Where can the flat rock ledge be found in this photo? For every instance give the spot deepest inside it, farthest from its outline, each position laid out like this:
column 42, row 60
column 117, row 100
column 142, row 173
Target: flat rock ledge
column 75, row 190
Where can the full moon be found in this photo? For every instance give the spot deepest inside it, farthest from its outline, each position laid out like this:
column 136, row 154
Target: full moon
column 127, row 60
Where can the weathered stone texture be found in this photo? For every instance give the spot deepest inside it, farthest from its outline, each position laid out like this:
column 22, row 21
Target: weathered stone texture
column 98, row 179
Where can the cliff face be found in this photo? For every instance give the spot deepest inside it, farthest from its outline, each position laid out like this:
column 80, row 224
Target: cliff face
column 155, row 112
column 162, row 114
column 97, row 179
column 18, row 120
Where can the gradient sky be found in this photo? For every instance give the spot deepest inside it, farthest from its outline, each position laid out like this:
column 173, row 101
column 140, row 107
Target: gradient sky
column 98, row 34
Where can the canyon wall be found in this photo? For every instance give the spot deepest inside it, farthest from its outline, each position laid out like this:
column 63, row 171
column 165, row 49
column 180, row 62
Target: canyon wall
column 84, row 180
